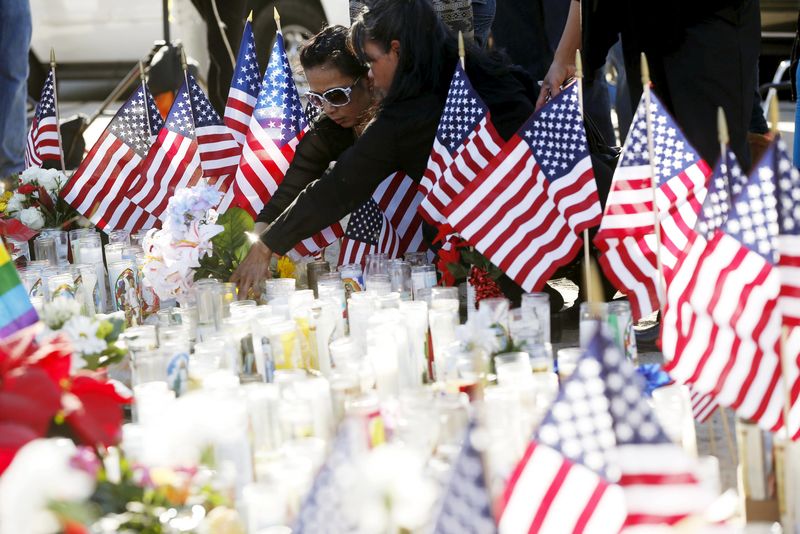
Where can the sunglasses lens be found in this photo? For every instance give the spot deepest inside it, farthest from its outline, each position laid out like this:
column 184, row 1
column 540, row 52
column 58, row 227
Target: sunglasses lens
column 337, row 97
column 314, row 99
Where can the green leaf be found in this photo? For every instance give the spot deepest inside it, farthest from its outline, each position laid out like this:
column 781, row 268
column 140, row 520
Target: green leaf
column 230, row 245
column 458, row 270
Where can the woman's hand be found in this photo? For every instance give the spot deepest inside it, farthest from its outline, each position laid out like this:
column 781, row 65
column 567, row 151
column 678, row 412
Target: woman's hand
column 558, row 73
column 253, row 269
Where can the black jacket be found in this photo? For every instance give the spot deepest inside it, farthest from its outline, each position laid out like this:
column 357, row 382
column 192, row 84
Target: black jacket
column 399, row 139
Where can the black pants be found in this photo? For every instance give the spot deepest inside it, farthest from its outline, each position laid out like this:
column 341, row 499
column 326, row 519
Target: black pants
column 714, row 65
column 220, row 71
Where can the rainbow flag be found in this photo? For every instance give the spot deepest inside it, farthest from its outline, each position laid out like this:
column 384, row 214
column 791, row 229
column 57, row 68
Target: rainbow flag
column 16, row 310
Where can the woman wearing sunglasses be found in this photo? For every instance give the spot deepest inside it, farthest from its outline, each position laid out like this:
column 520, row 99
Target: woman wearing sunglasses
column 341, row 102
column 412, row 56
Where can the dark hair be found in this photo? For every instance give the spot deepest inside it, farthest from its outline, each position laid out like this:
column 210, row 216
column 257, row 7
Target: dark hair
column 329, row 47
column 428, row 47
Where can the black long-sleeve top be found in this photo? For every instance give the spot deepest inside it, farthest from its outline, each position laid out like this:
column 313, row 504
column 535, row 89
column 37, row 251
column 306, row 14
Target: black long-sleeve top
column 319, row 147
column 399, row 139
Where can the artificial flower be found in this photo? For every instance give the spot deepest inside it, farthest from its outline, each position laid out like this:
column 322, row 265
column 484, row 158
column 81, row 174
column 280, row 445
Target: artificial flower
column 93, row 411
column 50, row 179
column 60, row 310
column 42, row 473
column 286, row 268
column 393, row 492
column 83, row 332
column 15, row 203
column 32, row 217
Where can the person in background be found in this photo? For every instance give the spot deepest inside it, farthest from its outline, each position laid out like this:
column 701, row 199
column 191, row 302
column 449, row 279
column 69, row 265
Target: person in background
column 341, row 99
column 412, row 56
column 232, row 14
column 702, row 55
column 482, row 18
column 15, row 40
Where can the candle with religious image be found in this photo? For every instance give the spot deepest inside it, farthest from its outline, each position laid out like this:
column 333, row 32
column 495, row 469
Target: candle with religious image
column 123, row 280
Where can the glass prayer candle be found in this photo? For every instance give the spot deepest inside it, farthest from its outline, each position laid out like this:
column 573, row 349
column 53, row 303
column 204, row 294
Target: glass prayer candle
column 360, row 308
column 44, row 248
column 536, row 308
column 330, row 287
column 124, row 283
column 278, row 287
column 61, row 239
column 91, row 253
column 242, row 308
column 620, row 326
column 119, row 236
column 209, row 303
column 513, row 368
column 314, row 270
column 416, row 258
column 62, row 285
column 673, row 407
column 378, row 283
column 525, row 329
column 352, row 278
column 137, row 238
column 74, row 242
column 389, row 301
column 285, row 345
column 592, row 315
column 152, row 398
column 113, row 252
column 400, row 275
column 324, row 316
column 47, row 273
column 376, row 264
column 443, row 323
column 422, row 276
column 567, row 361
column 415, row 320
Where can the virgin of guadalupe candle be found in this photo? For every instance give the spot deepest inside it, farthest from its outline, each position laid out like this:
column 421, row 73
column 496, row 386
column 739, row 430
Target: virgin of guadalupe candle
column 122, row 277
column 62, row 285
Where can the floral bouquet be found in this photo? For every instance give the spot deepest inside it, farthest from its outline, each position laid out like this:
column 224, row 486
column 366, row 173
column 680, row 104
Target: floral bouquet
column 173, row 253
column 37, row 203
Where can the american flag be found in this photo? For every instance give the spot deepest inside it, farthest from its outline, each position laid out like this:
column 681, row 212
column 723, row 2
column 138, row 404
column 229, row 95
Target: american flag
column 659, row 478
column 726, row 178
column 627, row 234
column 557, row 138
column 703, row 405
column 97, row 189
column 322, row 510
column 507, row 214
column 729, row 328
column 193, row 143
column 244, row 87
column 564, row 481
column 466, row 506
column 787, row 180
column 277, row 125
column 386, row 223
column 465, row 143
column 43, row 142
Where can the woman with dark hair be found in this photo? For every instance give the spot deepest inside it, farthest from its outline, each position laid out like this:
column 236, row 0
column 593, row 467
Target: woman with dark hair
column 412, row 57
column 340, row 97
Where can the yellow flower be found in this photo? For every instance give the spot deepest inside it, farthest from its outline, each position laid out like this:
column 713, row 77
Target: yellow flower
column 285, row 267
column 3, row 206
column 7, row 196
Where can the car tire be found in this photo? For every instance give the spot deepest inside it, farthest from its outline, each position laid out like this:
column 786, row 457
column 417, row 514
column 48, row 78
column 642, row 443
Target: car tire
column 300, row 19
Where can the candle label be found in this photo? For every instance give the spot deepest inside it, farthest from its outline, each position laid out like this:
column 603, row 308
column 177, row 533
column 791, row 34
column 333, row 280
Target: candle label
column 353, row 285
column 126, row 298
column 36, row 289
column 178, row 373
column 65, row 290
column 269, row 361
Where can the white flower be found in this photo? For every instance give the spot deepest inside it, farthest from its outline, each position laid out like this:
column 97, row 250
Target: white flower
column 50, row 179
column 392, row 492
column 82, row 332
column 59, row 311
column 15, row 203
column 32, row 218
column 40, row 474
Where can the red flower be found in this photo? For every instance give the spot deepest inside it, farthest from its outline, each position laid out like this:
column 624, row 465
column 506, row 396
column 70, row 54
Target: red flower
column 26, row 189
column 16, row 230
column 94, row 411
column 35, row 385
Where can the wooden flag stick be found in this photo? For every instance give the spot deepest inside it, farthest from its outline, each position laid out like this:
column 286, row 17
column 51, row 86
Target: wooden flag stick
column 774, row 116
column 277, row 20
column 712, row 436
column 462, row 54
column 726, row 428
column 654, row 181
column 58, row 115
column 586, row 257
